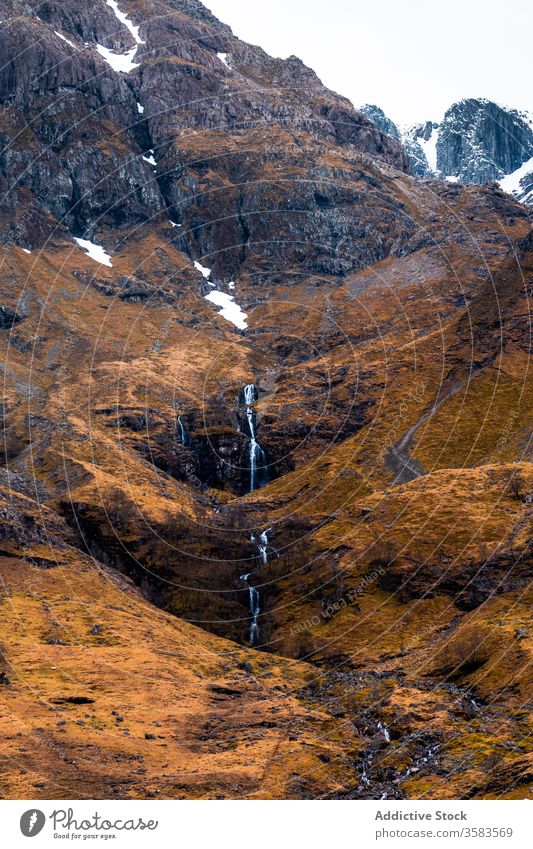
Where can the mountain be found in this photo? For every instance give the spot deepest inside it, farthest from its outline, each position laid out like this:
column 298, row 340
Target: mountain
column 266, row 482
column 477, row 141
column 480, row 141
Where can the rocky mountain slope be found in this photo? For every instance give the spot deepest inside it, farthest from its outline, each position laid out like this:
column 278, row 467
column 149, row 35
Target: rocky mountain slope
column 477, row 141
column 267, row 476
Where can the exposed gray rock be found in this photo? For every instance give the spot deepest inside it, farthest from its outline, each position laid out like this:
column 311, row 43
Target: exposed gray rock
column 476, row 142
column 377, row 115
column 480, row 141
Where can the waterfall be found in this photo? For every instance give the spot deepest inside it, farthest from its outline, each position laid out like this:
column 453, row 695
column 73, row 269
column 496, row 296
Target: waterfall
column 256, row 454
column 257, row 461
column 250, row 417
column 385, row 731
column 255, row 600
column 263, row 546
column 249, row 394
column 257, row 465
column 255, row 609
column 183, row 432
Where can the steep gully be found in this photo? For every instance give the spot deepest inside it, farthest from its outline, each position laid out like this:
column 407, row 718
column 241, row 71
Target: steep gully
column 258, row 476
column 398, row 460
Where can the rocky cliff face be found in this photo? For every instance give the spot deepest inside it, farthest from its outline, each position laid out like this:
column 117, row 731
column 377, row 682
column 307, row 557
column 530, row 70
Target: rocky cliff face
column 410, row 138
column 477, row 141
column 378, row 117
column 78, row 134
column 331, row 564
column 480, row 141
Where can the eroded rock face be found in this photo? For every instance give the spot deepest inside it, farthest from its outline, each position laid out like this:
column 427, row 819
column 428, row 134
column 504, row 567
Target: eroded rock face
column 377, row 116
column 480, row 141
column 74, row 134
column 476, row 142
column 70, row 133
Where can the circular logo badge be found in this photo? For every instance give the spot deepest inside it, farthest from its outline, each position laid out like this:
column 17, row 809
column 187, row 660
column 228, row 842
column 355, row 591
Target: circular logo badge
column 32, row 822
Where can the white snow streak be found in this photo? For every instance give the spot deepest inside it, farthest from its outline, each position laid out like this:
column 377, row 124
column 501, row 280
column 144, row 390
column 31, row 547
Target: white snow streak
column 202, row 269
column 96, row 252
column 511, row 183
column 231, row 311
column 123, row 18
column 122, row 62
column 224, row 59
column 430, row 149
column 65, row 39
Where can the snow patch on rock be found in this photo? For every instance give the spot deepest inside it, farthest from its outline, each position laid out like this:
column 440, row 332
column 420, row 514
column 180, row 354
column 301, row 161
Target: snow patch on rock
column 64, row 38
column 230, row 309
column 430, row 148
column 128, row 23
column 121, row 62
column 511, row 183
column 95, row 252
column 205, row 272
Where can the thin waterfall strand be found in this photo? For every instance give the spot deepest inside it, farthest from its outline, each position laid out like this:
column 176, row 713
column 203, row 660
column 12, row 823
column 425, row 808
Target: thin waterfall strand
column 253, row 593
column 183, row 432
column 257, row 457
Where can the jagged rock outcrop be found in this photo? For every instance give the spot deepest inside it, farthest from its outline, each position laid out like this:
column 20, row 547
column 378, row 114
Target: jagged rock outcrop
column 411, row 137
column 477, row 141
column 378, row 117
column 74, row 134
column 480, row 141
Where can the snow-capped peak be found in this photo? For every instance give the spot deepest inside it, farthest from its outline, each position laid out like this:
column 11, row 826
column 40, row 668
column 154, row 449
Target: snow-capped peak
column 477, row 141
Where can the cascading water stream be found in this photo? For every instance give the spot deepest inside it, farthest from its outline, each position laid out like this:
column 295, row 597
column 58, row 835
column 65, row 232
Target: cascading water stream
column 255, row 609
column 257, row 462
column 256, row 453
column 183, row 432
column 263, row 547
column 249, row 394
column 255, row 600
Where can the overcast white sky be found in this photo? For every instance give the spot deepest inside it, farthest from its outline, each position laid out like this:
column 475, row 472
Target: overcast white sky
column 411, row 57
